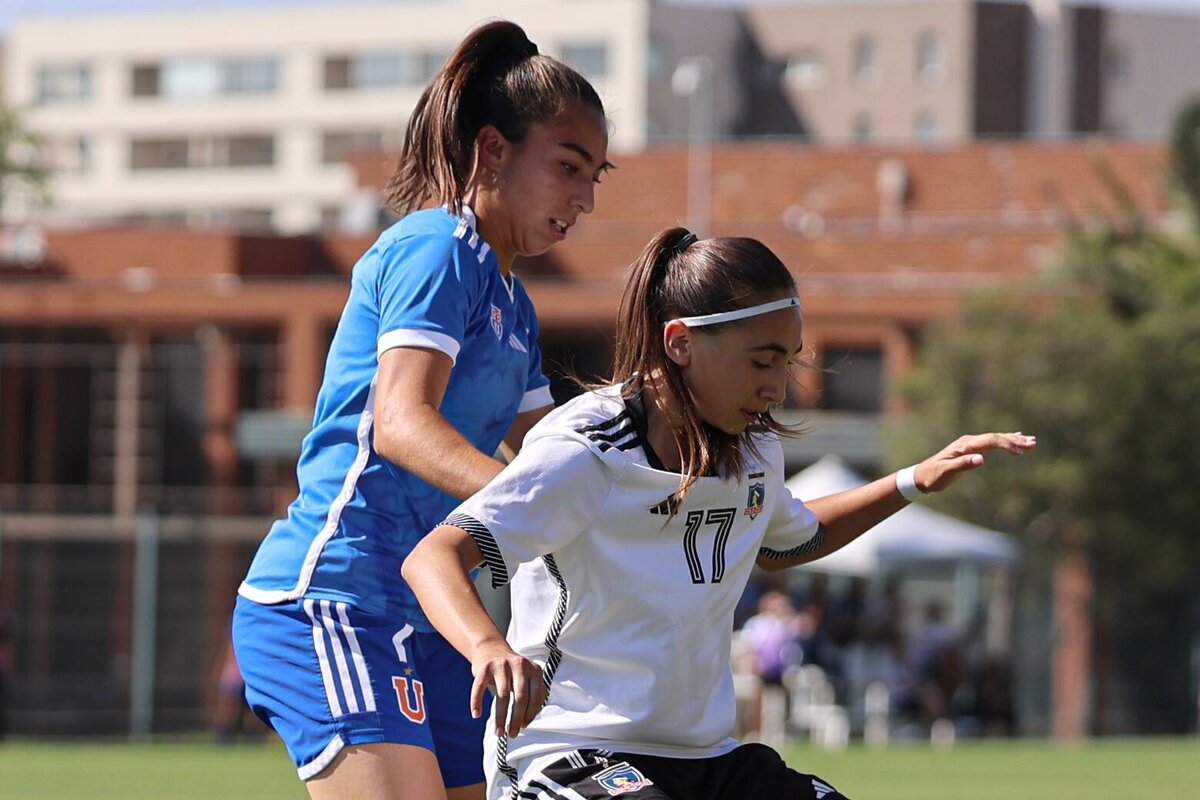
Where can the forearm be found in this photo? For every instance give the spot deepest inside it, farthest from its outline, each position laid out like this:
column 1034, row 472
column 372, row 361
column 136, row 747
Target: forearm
column 438, row 572
column 847, row 515
column 844, row 517
column 423, row 442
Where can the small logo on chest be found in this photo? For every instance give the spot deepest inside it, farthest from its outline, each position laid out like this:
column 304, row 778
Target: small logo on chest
column 755, row 496
column 497, row 321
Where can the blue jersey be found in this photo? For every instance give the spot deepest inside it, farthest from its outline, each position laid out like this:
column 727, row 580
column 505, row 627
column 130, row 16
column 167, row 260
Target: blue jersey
column 430, row 281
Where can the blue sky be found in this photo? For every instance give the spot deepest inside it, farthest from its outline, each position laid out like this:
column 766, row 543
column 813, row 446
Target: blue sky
column 13, row 9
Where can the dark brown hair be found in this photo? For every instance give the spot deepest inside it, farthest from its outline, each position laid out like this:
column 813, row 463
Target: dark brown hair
column 672, row 279
column 495, row 77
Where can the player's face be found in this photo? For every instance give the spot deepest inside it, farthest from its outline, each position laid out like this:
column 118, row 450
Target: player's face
column 550, row 178
column 739, row 370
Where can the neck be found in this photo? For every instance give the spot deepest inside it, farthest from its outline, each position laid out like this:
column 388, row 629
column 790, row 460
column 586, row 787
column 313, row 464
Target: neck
column 488, row 225
column 659, row 429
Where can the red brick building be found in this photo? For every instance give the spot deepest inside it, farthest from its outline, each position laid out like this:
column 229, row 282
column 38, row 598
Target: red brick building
column 175, row 369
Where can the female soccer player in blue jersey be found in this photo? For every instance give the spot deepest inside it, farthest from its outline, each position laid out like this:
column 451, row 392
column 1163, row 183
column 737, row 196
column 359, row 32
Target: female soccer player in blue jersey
column 628, row 526
column 434, row 364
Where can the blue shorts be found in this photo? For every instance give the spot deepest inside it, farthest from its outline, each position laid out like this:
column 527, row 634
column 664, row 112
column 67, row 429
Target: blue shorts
column 324, row 675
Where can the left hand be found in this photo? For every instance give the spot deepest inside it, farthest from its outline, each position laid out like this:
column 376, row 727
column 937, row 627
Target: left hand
column 964, row 454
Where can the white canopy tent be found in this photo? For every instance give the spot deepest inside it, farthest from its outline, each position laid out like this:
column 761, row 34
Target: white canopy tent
column 913, row 535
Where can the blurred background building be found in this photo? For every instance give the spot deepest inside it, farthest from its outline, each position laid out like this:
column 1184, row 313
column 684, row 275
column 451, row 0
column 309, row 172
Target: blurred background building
column 215, row 174
column 244, row 117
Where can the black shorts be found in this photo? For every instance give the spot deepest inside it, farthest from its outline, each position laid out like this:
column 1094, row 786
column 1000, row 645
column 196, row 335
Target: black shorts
column 749, row 772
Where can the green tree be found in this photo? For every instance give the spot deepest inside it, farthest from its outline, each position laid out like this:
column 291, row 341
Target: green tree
column 21, row 169
column 1102, row 362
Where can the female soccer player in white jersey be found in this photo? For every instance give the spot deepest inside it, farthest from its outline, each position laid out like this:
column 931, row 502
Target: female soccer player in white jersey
column 434, row 364
column 628, row 526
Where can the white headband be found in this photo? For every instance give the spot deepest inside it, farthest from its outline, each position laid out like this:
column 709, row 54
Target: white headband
column 740, row 313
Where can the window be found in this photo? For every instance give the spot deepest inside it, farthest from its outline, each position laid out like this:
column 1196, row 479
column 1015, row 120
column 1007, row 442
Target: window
column 337, row 72
column 249, row 151
column 926, row 126
column 383, row 69
column 590, row 60
column 158, row 153
column 431, row 62
column 249, row 75
column 336, row 145
column 64, row 83
column 865, row 68
column 145, row 80
column 202, row 152
column 379, row 69
column 853, row 379
column 184, row 78
column 804, row 70
column 656, row 58
column 199, row 77
column 931, row 64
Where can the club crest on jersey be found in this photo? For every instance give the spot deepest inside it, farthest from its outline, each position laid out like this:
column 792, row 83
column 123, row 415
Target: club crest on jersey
column 497, row 322
column 754, row 499
column 622, row 778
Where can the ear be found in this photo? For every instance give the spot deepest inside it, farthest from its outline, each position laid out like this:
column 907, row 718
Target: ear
column 490, row 148
column 677, row 342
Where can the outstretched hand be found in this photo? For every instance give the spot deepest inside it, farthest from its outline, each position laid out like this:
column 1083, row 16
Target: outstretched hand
column 965, row 454
column 517, row 684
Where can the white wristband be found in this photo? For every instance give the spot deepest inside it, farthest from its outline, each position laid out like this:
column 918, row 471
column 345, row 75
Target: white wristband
column 906, row 483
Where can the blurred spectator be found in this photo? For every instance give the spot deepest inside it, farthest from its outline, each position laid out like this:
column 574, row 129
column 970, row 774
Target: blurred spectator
column 771, row 636
column 932, row 636
column 994, row 700
column 231, row 716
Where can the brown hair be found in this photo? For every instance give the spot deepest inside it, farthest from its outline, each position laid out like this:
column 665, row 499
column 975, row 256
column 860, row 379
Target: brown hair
column 673, row 279
column 494, row 77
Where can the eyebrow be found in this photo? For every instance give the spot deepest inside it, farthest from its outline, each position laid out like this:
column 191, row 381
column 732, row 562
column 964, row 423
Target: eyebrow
column 588, row 157
column 777, row 348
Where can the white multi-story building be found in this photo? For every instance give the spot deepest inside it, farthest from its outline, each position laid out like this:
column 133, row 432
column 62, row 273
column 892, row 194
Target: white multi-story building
column 244, row 116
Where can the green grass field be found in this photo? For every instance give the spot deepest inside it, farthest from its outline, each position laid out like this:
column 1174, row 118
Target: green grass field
column 1122, row 769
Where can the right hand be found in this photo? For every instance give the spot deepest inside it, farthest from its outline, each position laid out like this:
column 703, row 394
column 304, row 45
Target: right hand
column 516, row 682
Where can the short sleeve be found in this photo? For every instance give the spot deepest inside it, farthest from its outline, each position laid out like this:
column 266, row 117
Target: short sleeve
column 545, row 498
column 793, row 530
column 424, row 295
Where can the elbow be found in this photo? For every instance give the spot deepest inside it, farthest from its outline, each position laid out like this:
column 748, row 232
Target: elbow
column 771, row 564
column 390, row 442
column 409, row 568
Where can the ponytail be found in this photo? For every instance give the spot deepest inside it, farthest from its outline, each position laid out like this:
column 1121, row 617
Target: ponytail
column 494, row 77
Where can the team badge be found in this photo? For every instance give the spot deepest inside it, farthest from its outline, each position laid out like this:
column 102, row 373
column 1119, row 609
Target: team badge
column 497, row 322
column 410, row 694
column 754, row 499
column 622, row 778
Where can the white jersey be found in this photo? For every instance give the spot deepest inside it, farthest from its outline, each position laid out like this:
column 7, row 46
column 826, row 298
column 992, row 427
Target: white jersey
column 628, row 609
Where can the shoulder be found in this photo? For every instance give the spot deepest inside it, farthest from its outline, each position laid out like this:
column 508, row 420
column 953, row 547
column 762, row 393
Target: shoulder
column 431, row 237
column 595, row 420
column 767, row 455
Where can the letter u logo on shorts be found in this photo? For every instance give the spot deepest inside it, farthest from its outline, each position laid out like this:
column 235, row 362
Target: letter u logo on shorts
column 412, row 707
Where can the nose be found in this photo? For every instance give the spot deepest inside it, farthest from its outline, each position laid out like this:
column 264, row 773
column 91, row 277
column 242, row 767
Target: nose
column 775, row 391
column 584, row 198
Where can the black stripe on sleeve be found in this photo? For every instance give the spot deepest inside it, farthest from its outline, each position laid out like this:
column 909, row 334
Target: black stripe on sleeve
column 604, row 426
column 487, row 545
column 812, row 544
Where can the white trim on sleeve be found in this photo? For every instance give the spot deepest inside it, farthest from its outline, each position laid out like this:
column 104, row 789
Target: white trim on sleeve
column 412, row 337
column 536, row 398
